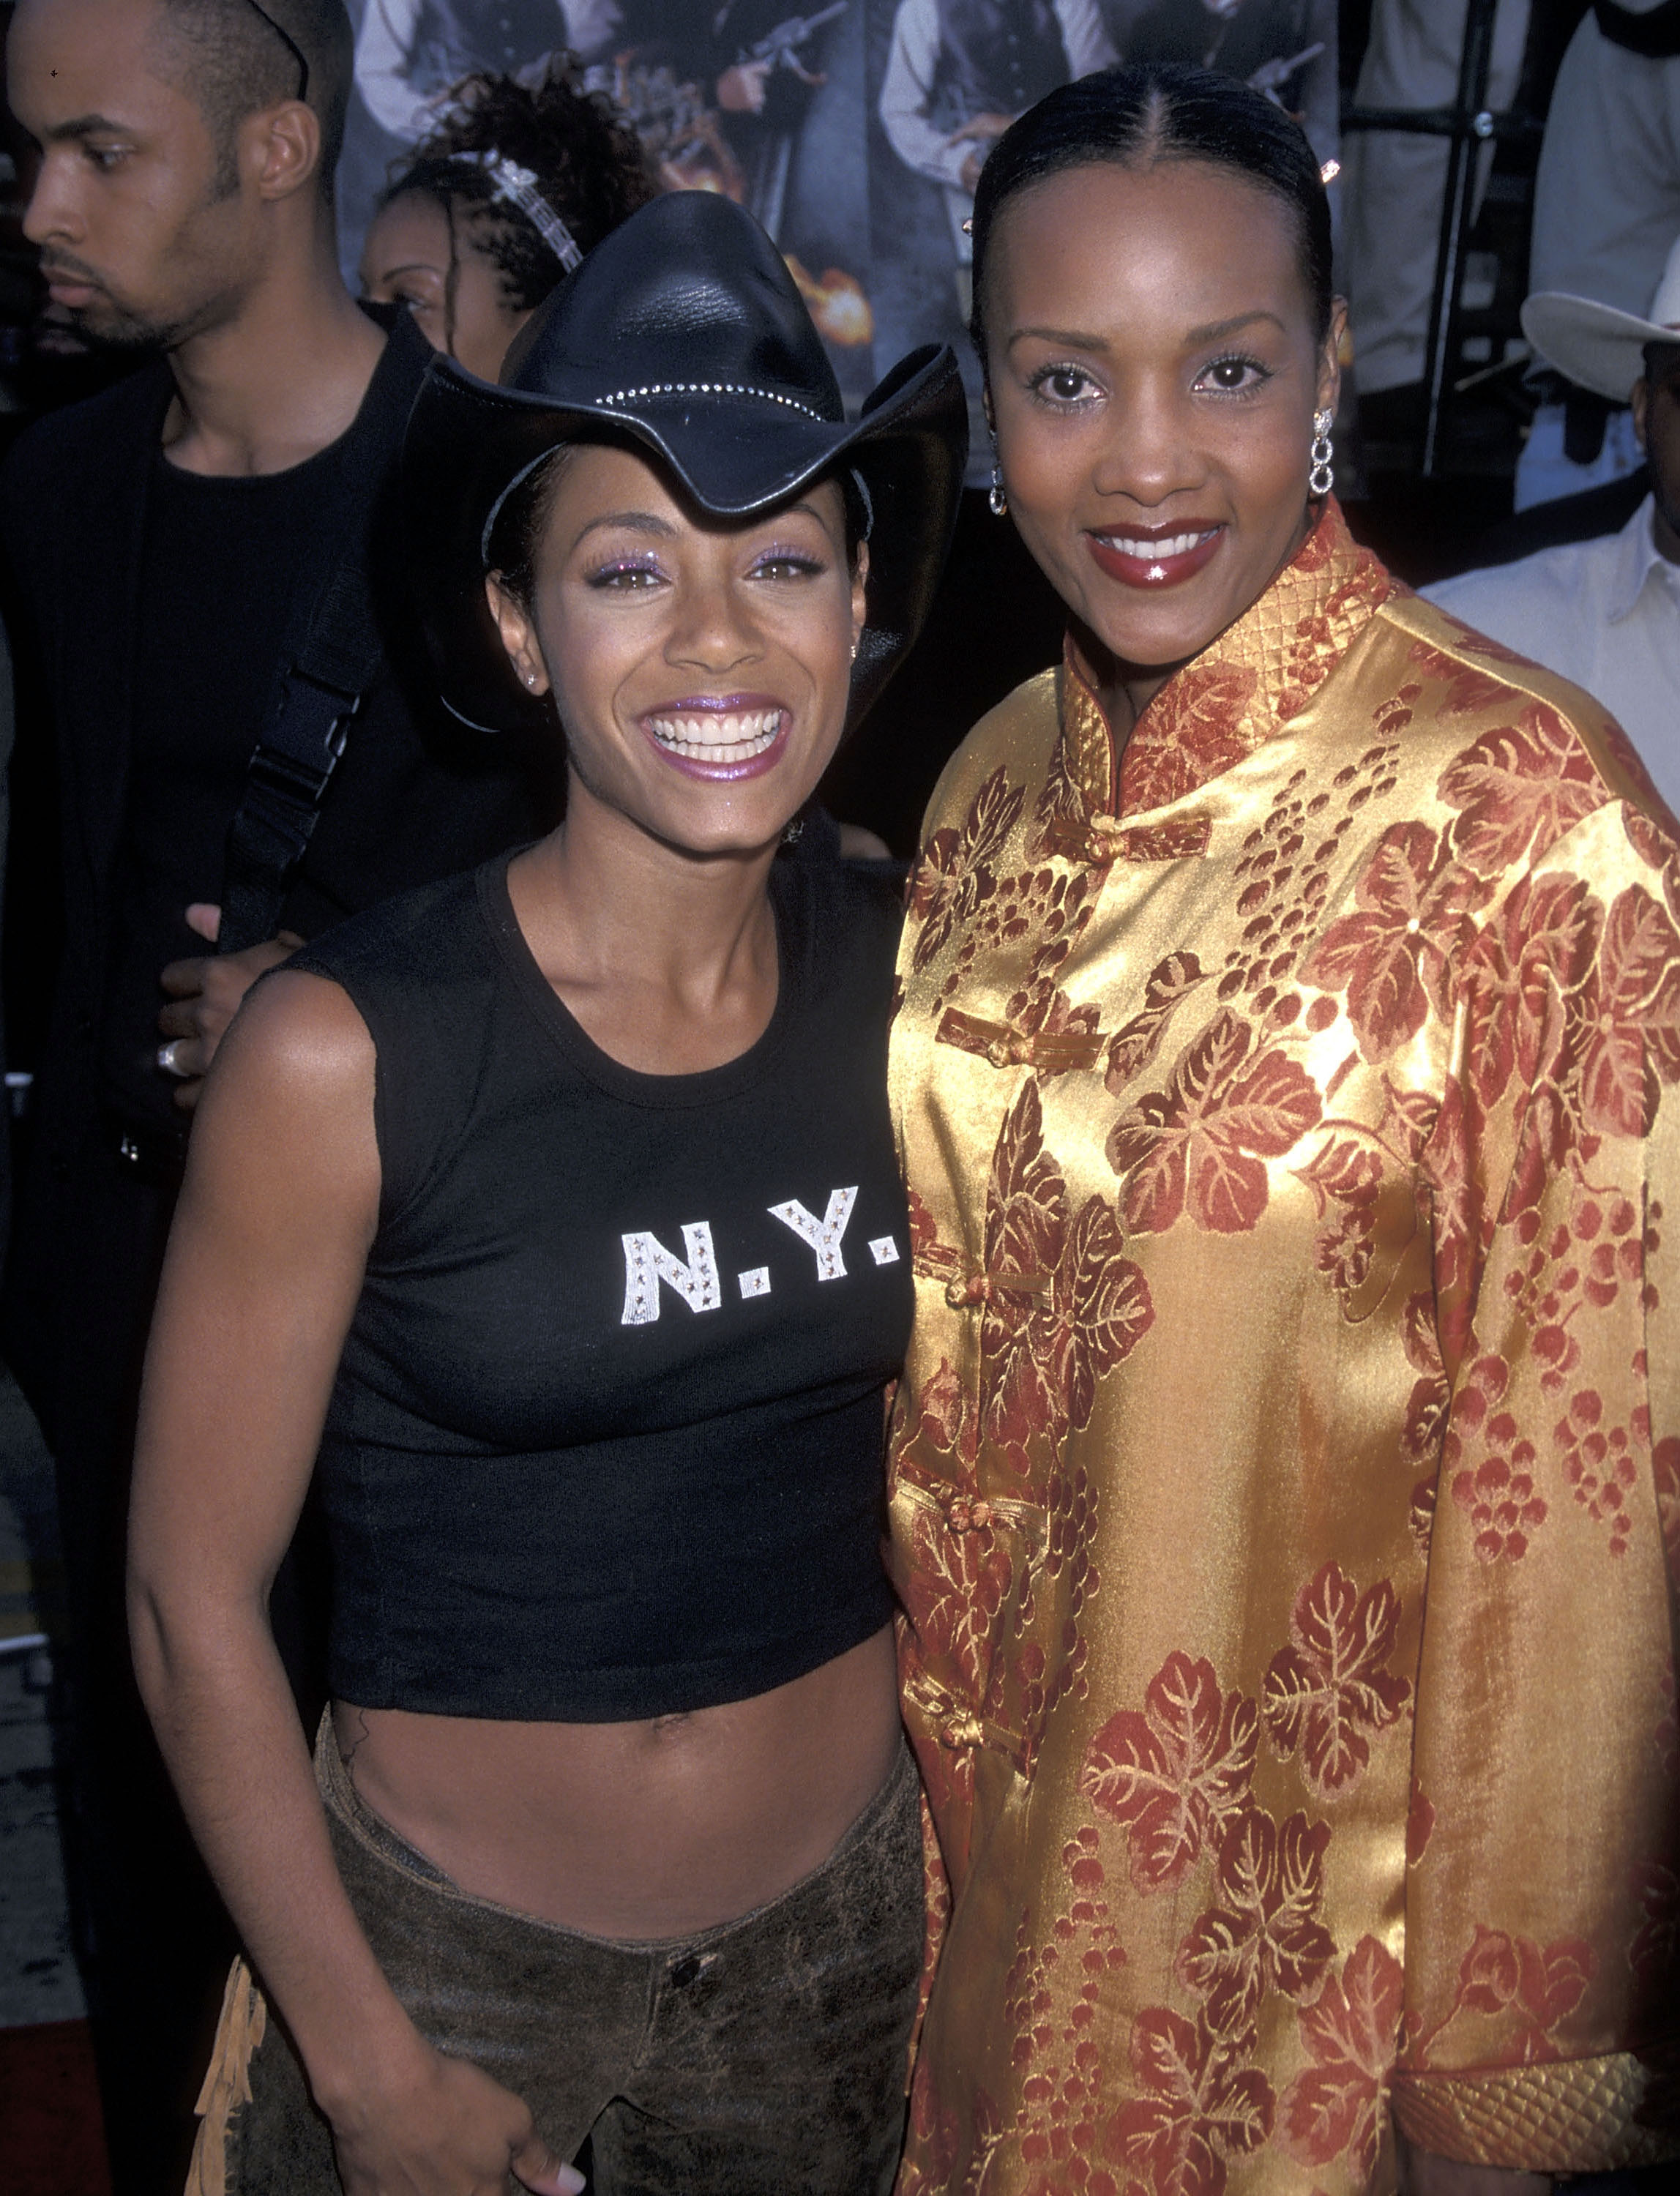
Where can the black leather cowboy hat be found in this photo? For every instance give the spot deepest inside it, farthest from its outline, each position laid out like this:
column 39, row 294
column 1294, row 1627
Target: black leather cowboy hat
column 683, row 331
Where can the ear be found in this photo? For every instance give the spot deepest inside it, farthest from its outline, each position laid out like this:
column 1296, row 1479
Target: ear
column 519, row 635
column 284, row 148
column 1329, row 385
column 860, row 605
column 1639, row 396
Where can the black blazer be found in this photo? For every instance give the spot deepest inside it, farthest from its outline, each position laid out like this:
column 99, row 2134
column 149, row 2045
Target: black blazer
column 414, row 798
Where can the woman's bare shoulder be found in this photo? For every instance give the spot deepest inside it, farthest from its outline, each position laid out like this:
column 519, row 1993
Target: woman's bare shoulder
column 287, row 1109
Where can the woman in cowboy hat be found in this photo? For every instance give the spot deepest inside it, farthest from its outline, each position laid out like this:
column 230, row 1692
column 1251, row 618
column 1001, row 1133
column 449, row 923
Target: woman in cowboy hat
column 555, row 1210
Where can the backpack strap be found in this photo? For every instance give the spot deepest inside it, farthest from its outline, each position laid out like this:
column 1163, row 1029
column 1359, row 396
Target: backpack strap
column 327, row 674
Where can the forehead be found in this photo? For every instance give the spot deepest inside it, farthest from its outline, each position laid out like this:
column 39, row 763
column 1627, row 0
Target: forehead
column 411, row 231
column 67, row 59
column 1122, row 251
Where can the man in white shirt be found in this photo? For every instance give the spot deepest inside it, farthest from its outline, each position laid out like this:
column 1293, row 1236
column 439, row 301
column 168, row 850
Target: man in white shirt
column 1607, row 198
column 1606, row 613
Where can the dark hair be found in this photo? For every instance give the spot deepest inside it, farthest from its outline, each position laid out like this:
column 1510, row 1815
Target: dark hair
column 1147, row 113
column 516, row 537
column 588, row 163
column 233, row 59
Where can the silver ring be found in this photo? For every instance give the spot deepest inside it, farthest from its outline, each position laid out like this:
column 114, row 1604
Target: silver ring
column 167, row 1060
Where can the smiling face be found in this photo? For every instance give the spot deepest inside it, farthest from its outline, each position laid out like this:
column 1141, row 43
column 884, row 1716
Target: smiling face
column 454, row 290
column 702, row 668
column 1154, row 369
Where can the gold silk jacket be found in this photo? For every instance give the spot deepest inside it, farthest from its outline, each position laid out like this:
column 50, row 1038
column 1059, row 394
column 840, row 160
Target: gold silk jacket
column 1286, row 1482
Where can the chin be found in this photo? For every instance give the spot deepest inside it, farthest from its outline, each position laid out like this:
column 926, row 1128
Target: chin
column 736, row 836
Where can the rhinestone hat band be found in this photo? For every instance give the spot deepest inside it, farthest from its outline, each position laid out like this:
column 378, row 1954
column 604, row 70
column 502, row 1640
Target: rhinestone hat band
column 714, row 388
column 516, row 185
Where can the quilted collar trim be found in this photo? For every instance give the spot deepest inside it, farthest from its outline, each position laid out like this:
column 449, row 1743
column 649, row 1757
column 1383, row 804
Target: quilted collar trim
column 1262, row 671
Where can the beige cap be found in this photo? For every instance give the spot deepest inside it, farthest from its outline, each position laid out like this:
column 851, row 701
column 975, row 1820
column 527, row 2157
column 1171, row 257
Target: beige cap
column 1596, row 345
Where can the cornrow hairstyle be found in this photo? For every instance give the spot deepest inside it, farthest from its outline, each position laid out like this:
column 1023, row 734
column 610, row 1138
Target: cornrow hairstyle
column 1140, row 116
column 587, row 162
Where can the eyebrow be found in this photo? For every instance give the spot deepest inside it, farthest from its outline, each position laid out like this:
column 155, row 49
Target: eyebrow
column 86, row 125
column 633, row 522
column 1211, row 331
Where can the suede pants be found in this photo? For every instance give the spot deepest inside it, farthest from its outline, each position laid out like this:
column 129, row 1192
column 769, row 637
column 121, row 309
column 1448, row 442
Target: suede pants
column 758, row 2058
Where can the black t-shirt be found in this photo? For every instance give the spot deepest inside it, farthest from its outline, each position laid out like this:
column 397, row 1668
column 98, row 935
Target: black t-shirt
column 214, row 615
column 606, row 1439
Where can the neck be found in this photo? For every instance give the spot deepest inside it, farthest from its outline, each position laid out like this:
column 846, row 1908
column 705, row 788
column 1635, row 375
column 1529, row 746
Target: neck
column 623, row 910
column 282, row 377
column 1665, row 533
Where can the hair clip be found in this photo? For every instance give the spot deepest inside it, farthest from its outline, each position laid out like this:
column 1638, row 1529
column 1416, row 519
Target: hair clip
column 517, row 186
column 968, row 226
column 1329, row 172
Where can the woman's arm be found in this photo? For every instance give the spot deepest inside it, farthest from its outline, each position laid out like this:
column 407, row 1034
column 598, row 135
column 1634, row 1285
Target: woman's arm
column 264, row 1267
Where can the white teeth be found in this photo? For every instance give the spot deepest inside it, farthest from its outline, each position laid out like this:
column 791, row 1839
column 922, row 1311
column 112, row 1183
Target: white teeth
column 1176, row 545
column 731, row 736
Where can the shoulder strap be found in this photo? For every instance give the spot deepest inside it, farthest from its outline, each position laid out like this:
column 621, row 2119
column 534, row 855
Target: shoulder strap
column 323, row 685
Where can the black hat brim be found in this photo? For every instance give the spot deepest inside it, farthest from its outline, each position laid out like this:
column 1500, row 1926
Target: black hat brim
column 732, row 454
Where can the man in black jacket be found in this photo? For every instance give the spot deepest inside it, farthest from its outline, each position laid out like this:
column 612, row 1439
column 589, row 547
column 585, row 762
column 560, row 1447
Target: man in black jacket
column 172, row 541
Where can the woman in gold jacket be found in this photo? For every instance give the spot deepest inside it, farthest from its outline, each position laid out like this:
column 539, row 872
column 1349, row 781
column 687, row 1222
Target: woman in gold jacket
column 1286, row 1482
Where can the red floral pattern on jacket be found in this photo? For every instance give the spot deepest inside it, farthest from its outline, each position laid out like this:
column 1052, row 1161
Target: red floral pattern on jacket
column 1288, row 1108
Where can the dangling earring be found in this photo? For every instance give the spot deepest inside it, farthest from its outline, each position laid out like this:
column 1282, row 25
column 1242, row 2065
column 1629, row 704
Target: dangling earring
column 998, row 502
column 1320, row 480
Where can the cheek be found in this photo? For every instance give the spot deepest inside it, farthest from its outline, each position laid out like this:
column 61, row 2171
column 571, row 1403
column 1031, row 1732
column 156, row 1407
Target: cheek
column 1268, row 479
column 589, row 654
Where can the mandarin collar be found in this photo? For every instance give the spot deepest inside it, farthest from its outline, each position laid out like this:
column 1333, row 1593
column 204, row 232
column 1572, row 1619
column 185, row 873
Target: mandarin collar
column 1261, row 672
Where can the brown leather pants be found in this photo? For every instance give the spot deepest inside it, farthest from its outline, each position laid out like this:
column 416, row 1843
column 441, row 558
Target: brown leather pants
column 758, row 2058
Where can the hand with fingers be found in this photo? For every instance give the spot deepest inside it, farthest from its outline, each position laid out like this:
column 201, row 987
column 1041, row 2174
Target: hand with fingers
column 205, row 995
column 443, row 2128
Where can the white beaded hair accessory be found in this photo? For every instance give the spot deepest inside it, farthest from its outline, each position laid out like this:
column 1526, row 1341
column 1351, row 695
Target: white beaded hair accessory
column 517, row 187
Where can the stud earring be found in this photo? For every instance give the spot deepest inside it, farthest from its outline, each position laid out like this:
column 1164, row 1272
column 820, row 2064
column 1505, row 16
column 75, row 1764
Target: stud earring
column 1320, row 479
column 997, row 501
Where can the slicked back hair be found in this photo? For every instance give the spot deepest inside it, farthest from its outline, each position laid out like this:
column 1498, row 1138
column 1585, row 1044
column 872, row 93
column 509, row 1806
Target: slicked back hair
column 1145, row 114
column 229, row 58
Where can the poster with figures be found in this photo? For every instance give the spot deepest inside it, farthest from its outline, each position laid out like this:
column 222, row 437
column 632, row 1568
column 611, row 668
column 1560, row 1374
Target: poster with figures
column 853, row 129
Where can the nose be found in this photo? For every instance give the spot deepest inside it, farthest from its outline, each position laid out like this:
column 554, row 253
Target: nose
column 52, row 215
column 1149, row 453
column 713, row 628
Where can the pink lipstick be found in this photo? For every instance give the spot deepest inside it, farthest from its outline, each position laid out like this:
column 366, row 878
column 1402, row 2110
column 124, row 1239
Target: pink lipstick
column 720, row 737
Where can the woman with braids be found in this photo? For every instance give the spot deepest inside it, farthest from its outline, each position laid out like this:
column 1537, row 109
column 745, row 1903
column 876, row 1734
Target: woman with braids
column 517, row 181
column 1290, row 1434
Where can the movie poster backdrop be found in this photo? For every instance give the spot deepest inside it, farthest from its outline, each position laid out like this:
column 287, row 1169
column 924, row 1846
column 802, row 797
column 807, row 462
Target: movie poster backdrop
column 853, row 129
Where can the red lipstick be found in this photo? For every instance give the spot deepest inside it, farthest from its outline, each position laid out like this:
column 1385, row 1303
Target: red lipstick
column 1155, row 557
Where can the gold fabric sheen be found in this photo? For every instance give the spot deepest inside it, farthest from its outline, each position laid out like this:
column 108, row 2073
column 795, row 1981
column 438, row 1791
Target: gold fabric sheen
column 1285, row 1482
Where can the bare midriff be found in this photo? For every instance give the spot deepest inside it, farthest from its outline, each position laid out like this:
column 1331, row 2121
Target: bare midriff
column 636, row 1830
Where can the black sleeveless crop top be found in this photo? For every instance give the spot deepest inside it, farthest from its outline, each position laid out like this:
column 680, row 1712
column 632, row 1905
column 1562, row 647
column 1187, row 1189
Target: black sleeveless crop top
column 606, row 1438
